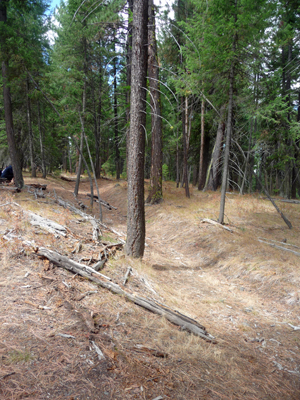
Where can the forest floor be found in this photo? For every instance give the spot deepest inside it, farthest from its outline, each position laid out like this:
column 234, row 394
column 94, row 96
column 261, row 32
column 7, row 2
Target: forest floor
column 245, row 292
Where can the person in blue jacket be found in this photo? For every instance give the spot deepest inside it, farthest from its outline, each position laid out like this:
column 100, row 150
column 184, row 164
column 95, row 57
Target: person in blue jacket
column 8, row 173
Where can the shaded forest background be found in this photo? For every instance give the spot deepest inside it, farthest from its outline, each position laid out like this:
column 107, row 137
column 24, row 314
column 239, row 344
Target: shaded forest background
column 224, row 68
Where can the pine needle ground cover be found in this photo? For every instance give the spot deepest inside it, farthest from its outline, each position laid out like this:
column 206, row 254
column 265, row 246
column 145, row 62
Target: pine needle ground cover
column 241, row 288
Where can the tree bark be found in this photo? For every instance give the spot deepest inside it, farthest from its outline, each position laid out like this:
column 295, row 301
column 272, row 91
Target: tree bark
column 135, row 243
column 201, row 178
column 185, row 145
column 155, row 191
column 117, row 150
column 128, row 74
column 13, row 151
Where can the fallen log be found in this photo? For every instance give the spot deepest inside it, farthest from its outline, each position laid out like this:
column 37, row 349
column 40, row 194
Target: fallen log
column 44, row 223
column 96, row 229
column 281, row 243
column 11, row 188
column 211, row 221
column 47, row 224
column 173, row 316
column 105, row 203
column 279, row 247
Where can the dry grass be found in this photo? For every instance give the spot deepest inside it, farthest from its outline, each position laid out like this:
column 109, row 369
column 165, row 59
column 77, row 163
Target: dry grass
column 244, row 292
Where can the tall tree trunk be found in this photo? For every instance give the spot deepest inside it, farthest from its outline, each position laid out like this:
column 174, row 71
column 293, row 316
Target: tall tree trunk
column 97, row 131
column 117, row 150
column 201, row 178
column 128, row 74
column 30, row 135
column 41, row 137
column 155, row 191
column 228, row 138
column 13, row 151
column 135, row 243
column 185, row 146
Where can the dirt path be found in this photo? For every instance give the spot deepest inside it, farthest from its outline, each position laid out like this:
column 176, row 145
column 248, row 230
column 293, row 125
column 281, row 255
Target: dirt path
column 244, row 292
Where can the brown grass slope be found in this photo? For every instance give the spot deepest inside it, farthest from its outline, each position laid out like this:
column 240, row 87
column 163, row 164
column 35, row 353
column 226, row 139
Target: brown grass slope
column 245, row 292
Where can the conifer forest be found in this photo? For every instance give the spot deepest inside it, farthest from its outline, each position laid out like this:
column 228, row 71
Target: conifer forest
column 207, row 95
column 150, row 199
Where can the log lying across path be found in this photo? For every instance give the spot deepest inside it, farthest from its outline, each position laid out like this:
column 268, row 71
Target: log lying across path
column 103, row 202
column 175, row 317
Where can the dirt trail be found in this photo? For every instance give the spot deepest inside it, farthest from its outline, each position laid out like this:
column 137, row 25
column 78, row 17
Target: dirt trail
column 243, row 291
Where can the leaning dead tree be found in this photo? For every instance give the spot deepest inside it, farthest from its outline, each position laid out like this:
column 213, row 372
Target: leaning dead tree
column 175, row 317
column 288, row 223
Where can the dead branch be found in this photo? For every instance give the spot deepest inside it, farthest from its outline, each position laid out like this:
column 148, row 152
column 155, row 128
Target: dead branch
column 113, row 231
column 211, row 221
column 153, row 352
column 103, row 202
column 173, row 316
column 129, row 269
column 96, row 231
column 279, row 247
column 282, row 243
column 10, row 188
column 67, row 263
column 6, row 375
column 85, row 294
column 98, row 351
column 99, row 265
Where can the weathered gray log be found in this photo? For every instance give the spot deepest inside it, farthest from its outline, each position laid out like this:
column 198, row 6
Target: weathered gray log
column 67, row 263
column 284, row 200
column 96, row 229
column 44, row 223
column 211, row 221
column 10, row 188
column 173, row 316
column 279, row 247
column 47, row 224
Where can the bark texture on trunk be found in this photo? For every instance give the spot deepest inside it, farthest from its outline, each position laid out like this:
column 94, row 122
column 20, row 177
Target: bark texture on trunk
column 185, row 180
column 116, row 128
column 128, row 73
column 136, row 146
column 13, row 151
column 155, row 191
